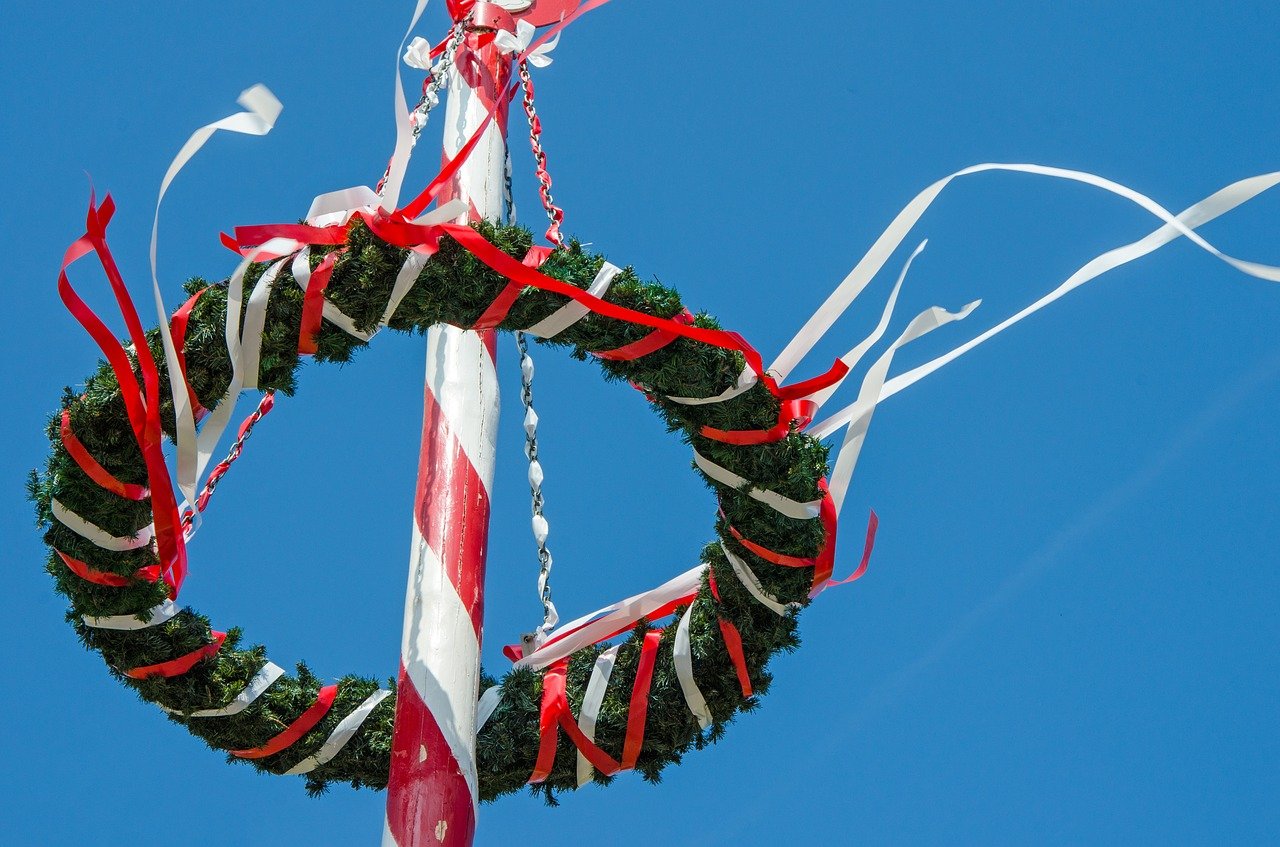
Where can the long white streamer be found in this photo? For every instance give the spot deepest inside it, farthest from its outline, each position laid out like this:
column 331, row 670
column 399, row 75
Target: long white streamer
column 262, row 111
column 130, row 623
column 269, row 673
column 884, row 246
column 591, row 702
column 751, row 582
column 573, row 311
column 404, row 129
column 682, row 654
column 342, row 733
column 98, row 536
column 855, row 355
column 868, row 397
column 782, row 505
column 592, row 628
column 1193, row 217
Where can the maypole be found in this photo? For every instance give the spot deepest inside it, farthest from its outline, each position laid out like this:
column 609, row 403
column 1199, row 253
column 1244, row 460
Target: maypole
column 432, row 793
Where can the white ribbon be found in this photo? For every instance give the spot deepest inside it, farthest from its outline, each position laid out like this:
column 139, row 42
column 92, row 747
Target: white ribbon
column 262, row 111
column 130, row 623
column 751, row 582
column 1193, row 217
column 682, row 654
column 269, row 673
column 519, row 41
column 855, row 355
column 592, row 628
column 488, row 704
column 404, row 129
column 893, row 236
column 98, row 536
column 746, row 381
column 591, row 702
column 869, row 396
column 573, row 311
column 342, row 733
column 782, row 505
column 418, row 54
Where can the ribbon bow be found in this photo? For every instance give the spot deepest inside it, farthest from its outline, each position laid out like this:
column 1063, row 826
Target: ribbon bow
column 519, row 42
column 418, row 54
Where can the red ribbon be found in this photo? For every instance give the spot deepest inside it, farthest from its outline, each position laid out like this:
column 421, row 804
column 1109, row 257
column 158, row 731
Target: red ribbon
column 144, row 416
column 873, row 523
column 797, row 412
column 732, row 642
column 501, row 305
column 182, row 664
column 151, row 573
column 96, row 472
column 313, row 302
column 178, row 330
column 300, row 727
column 639, row 707
column 651, row 343
column 555, row 714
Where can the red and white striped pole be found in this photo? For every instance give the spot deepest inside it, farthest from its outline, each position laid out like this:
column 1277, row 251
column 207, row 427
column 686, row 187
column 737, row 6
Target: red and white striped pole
column 432, row 793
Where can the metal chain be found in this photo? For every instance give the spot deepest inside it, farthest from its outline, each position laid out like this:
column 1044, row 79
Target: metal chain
column 215, row 476
column 554, row 213
column 436, row 79
column 539, row 522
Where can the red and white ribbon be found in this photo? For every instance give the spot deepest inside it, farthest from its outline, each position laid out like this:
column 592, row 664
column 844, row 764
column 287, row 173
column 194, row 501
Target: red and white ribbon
column 342, row 733
column 254, row 689
column 592, row 699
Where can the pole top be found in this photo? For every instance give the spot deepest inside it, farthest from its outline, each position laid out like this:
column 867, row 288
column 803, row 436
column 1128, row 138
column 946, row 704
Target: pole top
column 501, row 14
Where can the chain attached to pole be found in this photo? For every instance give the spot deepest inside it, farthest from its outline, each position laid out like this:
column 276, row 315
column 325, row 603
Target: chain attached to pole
column 554, row 213
column 539, row 521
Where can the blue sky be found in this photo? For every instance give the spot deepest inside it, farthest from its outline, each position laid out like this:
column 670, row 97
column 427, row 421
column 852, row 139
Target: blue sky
column 1068, row 634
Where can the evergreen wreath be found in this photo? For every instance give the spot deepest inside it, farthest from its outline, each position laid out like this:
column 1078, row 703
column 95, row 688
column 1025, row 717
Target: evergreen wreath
column 453, row 287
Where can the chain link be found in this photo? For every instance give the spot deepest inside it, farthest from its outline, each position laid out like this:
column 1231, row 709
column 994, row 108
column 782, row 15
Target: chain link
column 539, row 521
column 554, row 213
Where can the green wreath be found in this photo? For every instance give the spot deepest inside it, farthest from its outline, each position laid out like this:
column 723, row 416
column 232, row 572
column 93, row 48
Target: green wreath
column 454, row 287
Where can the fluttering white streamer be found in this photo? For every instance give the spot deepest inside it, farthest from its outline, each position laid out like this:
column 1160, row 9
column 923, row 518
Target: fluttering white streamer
column 262, row 111
column 682, row 655
column 404, row 129
column 487, row 705
column 751, row 582
column 871, row 263
column 868, row 397
column 98, row 536
column 130, row 623
column 780, row 504
column 261, row 681
column 593, row 628
column 342, row 733
column 573, row 311
column 855, row 355
column 1193, row 217
column 592, row 699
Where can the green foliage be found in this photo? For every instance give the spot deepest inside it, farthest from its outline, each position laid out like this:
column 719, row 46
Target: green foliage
column 455, row 288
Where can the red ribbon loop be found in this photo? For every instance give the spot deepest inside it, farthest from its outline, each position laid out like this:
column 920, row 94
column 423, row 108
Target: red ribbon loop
column 797, row 412
column 151, row 573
